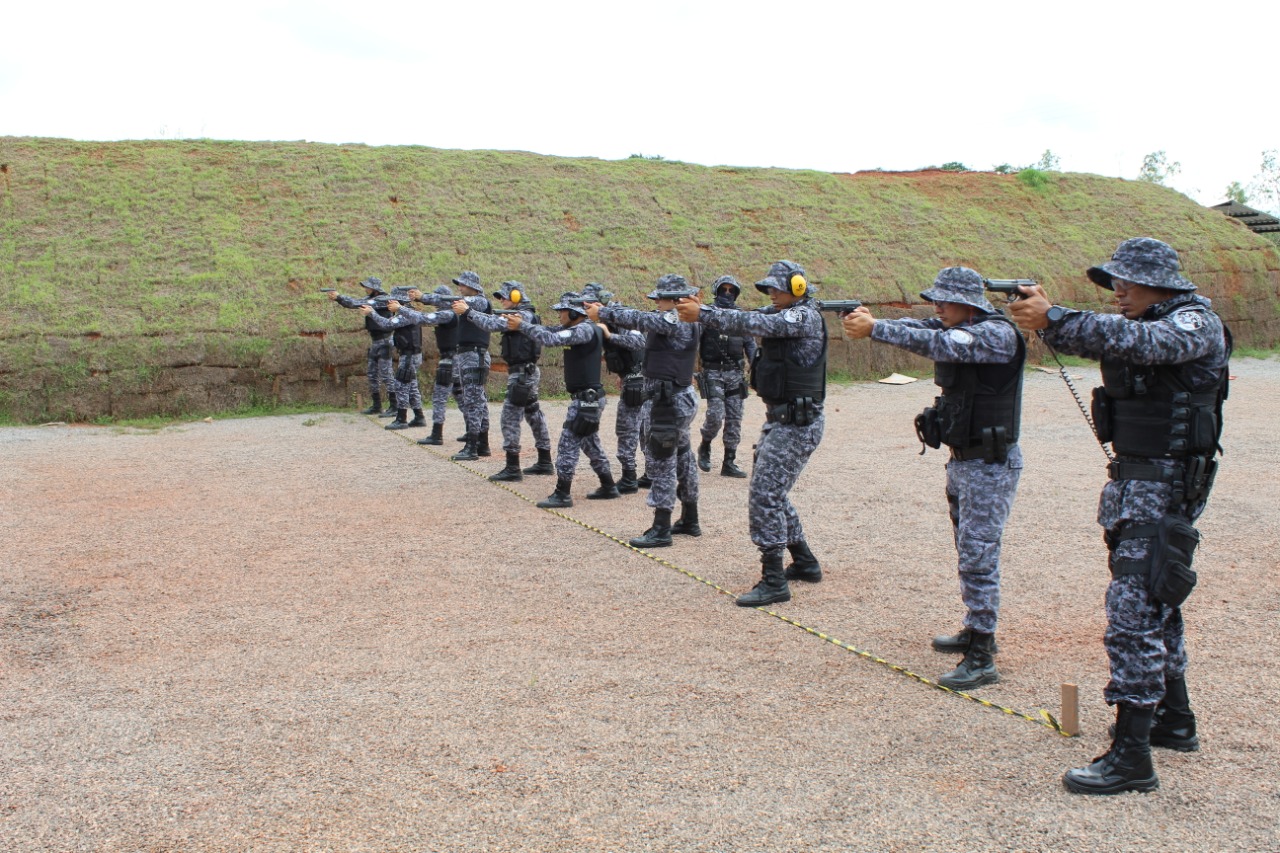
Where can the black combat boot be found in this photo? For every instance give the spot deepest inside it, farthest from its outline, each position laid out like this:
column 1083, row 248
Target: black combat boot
column 644, row 481
column 628, row 485
column 419, row 419
column 704, row 455
column 1127, row 765
column 482, row 444
column 728, row 468
column 375, row 408
column 393, row 406
column 436, row 437
column 804, row 566
column 559, row 499
column 658, row 536
column 607, row 491
column 464, row 437
column 772, row 588
column 510, row 474
column 401, row 421
column 467, row 453
column 543, row 465
column 977, row 668
column 957, row 642
column 688, row 523
column 1174, row 725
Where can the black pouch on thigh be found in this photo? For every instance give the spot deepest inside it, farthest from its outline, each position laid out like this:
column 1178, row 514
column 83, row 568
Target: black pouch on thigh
column 521, row 391
column 407, row 371
column 379, row 350
column 586, row 419
column 475, row 376
column 664, row 432
column 633, row 391
column 929, row 428
column 1172, row 578
column 444, row 372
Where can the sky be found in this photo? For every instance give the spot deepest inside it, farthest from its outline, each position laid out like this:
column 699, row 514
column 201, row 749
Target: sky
column 836, row 87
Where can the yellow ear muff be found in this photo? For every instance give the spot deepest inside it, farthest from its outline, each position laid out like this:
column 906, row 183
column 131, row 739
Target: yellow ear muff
column 798, row 285
column 515, row 296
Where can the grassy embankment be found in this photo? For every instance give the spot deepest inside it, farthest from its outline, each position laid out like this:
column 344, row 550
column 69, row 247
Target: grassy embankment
column 142, row 277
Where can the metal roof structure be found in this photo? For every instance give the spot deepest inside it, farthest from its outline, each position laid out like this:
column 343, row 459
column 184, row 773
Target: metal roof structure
column 1255, row 220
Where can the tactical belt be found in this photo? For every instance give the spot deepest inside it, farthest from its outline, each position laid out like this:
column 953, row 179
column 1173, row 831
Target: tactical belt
column 1141, row 471
column 446, row 353
column 1133, row 531
column 964, row 454
column 722, row 365
column 519, row 365
column 409, row 351
column 473, row 349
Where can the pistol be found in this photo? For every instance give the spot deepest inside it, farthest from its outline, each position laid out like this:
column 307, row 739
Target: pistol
column 1008, row 286
column 839, row 306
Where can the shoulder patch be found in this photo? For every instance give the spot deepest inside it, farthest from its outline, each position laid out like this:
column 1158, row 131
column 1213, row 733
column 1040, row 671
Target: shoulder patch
column 566, row 334
column 793, row 315
column 1189, row 320
column 671, row 317
column 960, row 336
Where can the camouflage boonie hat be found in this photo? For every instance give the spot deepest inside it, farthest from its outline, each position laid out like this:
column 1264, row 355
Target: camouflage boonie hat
column 468, row 279
column 672, row 286
column 442, row 290
column 570, row 301
column 729, row 280
column 959, row 284
column 595, row 292
column 779, row 277
column 504, row 292
column 372, row 283
column 1142, row 260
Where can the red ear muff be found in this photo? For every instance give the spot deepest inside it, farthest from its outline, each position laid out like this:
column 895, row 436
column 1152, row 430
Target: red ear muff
column 798, row 286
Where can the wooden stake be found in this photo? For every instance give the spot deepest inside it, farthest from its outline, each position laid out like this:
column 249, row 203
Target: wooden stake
column 1070, row 709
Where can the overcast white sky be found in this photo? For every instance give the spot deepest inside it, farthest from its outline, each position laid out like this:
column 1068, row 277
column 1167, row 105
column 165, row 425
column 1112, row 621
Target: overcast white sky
column 832, row 86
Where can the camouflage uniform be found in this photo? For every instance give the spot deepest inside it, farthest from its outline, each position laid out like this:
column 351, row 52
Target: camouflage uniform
column 530, row 375
column 1144, row 638
column 794, row 421
column 408, row 340
column 724, row 383
column 378, row 370
column 619, row 347
column 674, row 476
column 471, row 364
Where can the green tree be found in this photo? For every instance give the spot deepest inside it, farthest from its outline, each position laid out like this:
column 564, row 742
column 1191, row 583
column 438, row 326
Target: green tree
column 1048, row 162
column 1156, row 168
column 1236, row 193
column 1265, row 186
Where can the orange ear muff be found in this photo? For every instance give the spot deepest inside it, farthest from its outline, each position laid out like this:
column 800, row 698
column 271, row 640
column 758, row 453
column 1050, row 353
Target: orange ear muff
column 515, row 296
column 798, row 285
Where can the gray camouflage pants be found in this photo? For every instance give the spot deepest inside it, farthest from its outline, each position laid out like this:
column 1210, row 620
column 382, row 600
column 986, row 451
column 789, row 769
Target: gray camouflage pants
column 408, row 394
column 1144, row 637
column 627, row 426
column 980, row 496
column 570, row 447
column 781, row 454
column 676, row 476
column 724, row 407
column 513, row 414
column 378, row 370
column 471, row 368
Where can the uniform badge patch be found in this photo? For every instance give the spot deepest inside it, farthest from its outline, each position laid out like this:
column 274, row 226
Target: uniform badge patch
column 671, row 317
column 960, row 336
column 565, row 335
column 1188, row 320
column 793, row 315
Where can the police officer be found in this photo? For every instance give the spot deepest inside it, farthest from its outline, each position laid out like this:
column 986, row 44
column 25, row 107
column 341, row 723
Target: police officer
column 445, row 323
column 583, row 343
column 1164, row 377
column 978, row 358
column 407, row 337
column 521, row 353
column 378, row 369
column 623, row 357
column 671, row 347
column 722, row 383
column 790, row 375
column 472, row 362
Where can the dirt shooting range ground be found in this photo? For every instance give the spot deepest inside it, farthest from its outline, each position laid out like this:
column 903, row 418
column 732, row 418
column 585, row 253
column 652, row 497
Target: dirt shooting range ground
column 308, row 633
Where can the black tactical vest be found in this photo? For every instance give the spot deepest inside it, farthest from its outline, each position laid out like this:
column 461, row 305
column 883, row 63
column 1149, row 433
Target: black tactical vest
column 582, row 363
column 517, row 348
column 663, row 361
column 447, row 335
column 721, row 350
column 979, row 396
column 374, row 332
column 471, row 335
column 1155, row 410
column 408, row 339
column 621, row 361
column 777, row 378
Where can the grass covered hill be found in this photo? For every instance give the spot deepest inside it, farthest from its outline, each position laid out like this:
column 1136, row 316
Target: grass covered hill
column 180, row 276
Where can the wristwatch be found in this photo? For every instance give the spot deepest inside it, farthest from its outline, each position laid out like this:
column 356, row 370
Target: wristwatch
column 1055, row 314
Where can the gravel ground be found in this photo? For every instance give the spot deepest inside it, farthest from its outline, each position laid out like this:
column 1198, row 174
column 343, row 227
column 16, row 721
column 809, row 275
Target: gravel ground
column 305, row 633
